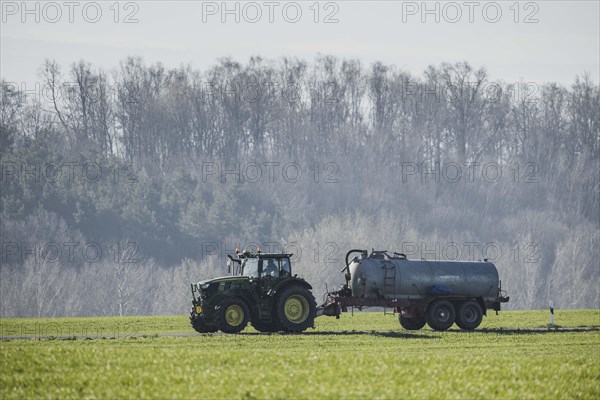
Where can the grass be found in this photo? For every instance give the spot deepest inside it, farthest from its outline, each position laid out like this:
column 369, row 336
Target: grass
column 362, row 356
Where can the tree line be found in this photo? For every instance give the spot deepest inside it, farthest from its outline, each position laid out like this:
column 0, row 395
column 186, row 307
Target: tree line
column 164, row 164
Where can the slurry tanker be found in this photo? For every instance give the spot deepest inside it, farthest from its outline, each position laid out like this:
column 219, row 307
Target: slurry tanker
column 263, row 291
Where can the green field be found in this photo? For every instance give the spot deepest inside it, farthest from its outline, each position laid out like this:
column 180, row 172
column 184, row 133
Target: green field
column 366, row 355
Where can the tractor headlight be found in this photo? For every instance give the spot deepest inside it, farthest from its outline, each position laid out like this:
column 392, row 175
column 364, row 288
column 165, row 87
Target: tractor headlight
column 198, row 310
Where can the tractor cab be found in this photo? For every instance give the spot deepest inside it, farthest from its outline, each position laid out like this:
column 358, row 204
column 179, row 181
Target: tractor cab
column 261, row 265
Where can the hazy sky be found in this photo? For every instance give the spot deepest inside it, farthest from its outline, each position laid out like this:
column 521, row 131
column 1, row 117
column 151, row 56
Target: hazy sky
column 534, row 41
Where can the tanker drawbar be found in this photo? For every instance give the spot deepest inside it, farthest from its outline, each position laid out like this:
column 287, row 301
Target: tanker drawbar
column 437, row 293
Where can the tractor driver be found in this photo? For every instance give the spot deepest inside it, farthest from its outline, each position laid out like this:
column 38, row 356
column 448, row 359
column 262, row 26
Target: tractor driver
column 270, row 269
column 285, row 267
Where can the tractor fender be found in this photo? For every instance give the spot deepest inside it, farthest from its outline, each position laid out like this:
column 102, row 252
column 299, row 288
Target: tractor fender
column 290, row 282
column 216, row 300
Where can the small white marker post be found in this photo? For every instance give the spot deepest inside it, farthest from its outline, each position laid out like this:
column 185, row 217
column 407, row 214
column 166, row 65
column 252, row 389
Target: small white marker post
column 551, row 315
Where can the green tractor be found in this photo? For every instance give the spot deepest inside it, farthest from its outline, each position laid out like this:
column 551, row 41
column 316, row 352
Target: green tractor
column 261, row 291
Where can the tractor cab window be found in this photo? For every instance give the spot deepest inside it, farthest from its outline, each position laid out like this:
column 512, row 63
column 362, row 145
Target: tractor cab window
column 285, row 267
column 250, row 267
column 270, row 267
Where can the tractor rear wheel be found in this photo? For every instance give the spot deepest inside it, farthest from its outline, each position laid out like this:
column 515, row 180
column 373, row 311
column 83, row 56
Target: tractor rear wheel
column 232, row 316
column 296, row 309
column 200, row 325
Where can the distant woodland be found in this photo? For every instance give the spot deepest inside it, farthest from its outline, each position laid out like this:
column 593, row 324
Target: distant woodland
column 120, row 187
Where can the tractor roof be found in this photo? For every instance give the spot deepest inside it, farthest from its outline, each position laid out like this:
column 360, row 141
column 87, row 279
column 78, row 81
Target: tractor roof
column 264, row 255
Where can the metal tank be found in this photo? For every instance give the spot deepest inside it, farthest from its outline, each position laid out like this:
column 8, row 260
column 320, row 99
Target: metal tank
column 381, row 275
column 436, row 293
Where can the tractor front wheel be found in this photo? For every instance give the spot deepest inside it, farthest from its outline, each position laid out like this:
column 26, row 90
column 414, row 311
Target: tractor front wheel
column 199, row 324
column 232, row 316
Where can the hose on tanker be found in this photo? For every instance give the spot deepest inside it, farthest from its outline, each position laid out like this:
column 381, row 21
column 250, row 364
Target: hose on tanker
column 347, row 267
column 364, row 252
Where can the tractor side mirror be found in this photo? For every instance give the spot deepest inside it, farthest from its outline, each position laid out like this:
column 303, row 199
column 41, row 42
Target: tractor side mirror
column 229, row 266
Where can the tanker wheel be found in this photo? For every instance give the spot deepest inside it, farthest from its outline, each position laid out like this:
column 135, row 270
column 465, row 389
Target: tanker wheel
column 440, row 315
column 296, row 309
column 411, row 324
column 199, row 324
column 232, row 316
column 469, row 315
